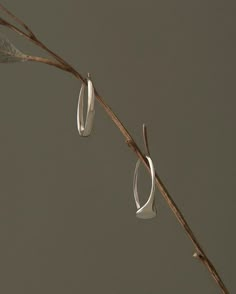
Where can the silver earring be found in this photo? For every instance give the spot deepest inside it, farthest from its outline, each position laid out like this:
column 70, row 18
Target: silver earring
column 148, row 210
column 86, row 128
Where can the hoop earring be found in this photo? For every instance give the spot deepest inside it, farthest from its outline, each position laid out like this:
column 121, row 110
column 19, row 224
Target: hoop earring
column 85, row 129
column 148, row 210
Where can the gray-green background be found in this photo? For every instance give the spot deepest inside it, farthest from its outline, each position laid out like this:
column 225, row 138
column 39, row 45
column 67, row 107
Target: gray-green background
column 67, row 213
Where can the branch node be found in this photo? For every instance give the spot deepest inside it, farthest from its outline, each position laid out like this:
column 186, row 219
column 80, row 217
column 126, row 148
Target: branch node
column 130, row 143
column 199, row 256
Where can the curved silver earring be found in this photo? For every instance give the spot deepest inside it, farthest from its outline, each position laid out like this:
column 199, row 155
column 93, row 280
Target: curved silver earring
column 148, row 210
column 85, row 129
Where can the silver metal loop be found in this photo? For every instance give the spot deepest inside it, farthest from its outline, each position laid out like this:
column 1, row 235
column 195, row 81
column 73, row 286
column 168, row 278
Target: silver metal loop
column 148, row 210
column 86, row 128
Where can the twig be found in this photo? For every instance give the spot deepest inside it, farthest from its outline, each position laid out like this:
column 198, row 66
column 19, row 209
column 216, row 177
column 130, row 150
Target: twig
column 19, row 21
column 47, row 61
column 63, row 65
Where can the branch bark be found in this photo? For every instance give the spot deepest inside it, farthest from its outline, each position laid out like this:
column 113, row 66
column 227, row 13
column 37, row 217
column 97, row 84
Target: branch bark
column 63, row 65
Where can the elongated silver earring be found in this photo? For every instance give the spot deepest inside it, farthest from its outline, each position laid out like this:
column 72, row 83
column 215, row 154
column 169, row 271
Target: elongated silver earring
column 148, row 210
column 86, row 128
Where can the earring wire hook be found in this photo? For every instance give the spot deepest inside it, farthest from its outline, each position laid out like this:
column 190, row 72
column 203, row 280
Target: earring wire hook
column 148, row 210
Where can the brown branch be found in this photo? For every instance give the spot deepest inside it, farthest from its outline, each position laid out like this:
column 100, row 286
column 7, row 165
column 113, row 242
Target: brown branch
column 47, row 61
column 14, row 29
column 19, row 21
column 63, row 65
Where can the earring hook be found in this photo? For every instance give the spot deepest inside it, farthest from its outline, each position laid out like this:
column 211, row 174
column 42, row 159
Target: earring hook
column 145, row 139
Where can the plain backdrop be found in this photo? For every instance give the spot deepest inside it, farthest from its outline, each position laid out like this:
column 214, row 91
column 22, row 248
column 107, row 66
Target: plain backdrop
column 67, row 214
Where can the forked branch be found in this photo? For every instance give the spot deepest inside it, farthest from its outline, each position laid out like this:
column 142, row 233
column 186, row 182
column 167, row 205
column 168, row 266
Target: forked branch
column 63, row 65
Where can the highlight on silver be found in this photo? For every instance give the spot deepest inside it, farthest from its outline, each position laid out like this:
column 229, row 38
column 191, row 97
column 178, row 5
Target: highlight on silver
column 86, row 128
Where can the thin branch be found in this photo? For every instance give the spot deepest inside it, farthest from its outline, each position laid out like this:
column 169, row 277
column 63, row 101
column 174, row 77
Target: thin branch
column 63, row 65
column 15, row 18
column 32, row 37
column 47, row 61
column 14, row 29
